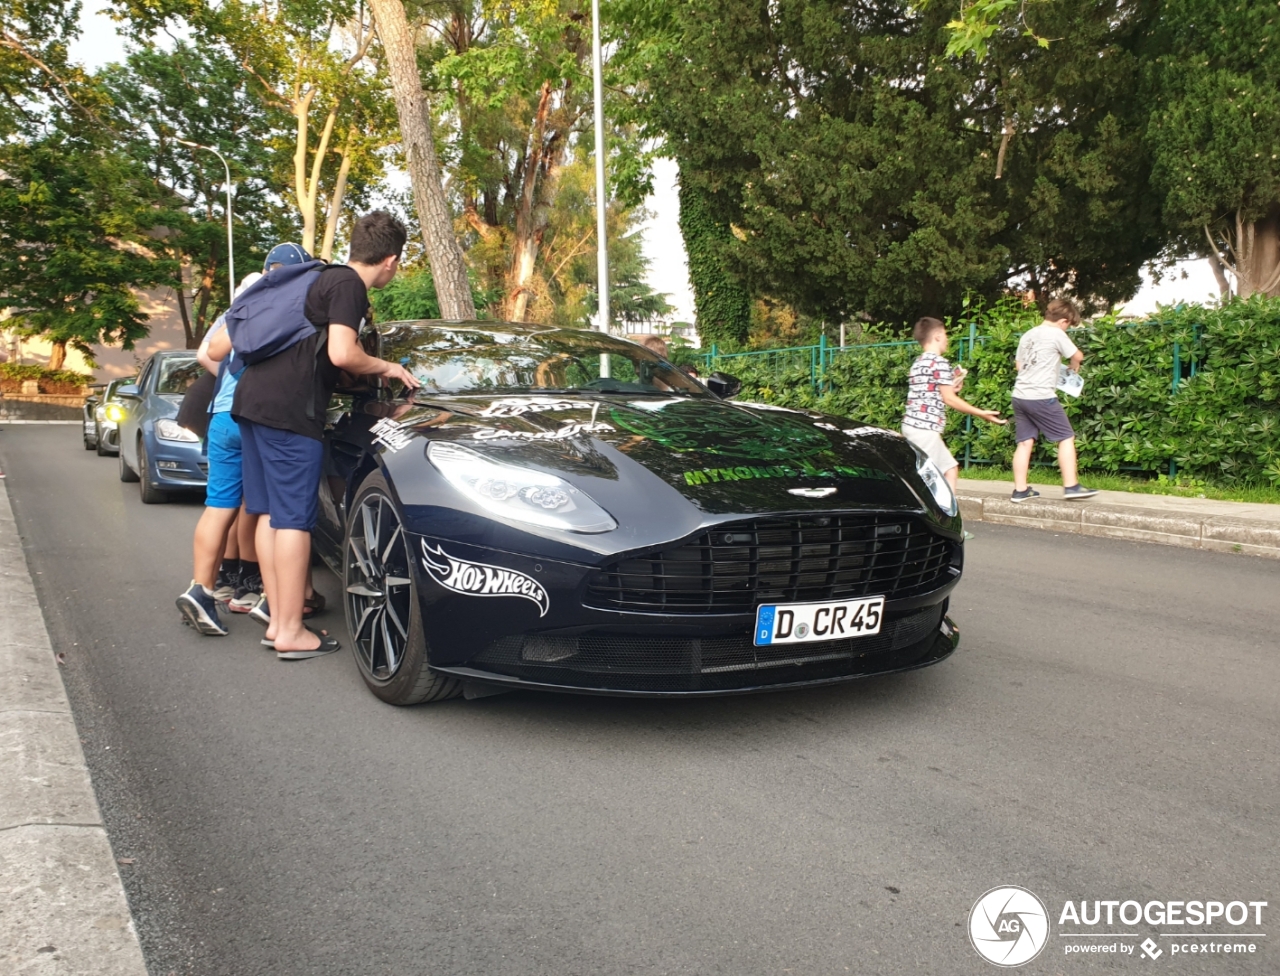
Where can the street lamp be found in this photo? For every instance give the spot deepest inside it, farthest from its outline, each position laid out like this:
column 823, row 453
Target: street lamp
column 231, row 256
column 602, row 243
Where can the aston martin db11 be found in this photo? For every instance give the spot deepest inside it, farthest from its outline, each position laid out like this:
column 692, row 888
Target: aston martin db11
column 565, row 510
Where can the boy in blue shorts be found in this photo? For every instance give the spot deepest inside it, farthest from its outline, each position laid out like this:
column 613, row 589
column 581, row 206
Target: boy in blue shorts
column 224, row 492
column 223, row 495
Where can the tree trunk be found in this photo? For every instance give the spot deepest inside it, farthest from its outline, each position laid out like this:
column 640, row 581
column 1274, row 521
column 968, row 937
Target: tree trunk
column 335, row 204
column 1220, row 275
column 531, row 218
column 57, row 355
column 448, row 268
column 1258, row 255
column 722, row 307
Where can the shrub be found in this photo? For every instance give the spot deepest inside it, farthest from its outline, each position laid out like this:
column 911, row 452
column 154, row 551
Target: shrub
column 1220, row 419
column 64, row 381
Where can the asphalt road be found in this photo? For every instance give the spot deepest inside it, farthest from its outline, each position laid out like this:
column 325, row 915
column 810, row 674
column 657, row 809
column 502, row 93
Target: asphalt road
column 1108, row 730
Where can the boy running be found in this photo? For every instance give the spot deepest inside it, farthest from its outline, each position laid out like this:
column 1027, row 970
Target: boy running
column 932, row 387
column 1036, row 409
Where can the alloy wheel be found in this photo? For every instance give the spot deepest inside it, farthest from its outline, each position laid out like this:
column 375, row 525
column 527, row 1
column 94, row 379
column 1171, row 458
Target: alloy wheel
column 379, row 586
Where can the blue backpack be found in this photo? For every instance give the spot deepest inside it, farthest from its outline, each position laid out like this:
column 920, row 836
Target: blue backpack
column 270, row 316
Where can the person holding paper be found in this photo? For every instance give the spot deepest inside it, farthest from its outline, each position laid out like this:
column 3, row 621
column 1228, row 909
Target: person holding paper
column 1037, row 411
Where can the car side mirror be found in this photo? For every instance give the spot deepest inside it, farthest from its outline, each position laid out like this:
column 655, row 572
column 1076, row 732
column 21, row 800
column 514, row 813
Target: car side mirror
column 128, row 392
column 723, row 385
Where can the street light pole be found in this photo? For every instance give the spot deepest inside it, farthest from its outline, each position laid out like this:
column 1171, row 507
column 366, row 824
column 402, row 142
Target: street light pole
column 602, row 242
column 231, row 255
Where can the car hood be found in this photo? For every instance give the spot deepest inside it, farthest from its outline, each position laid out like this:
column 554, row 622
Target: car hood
column 686, row 461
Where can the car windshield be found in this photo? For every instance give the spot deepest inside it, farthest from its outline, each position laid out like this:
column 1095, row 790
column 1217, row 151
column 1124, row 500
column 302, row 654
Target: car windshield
column 465, row 360
column 177, row 373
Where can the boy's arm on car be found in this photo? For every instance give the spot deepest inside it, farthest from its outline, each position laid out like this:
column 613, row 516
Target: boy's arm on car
column 346, row 354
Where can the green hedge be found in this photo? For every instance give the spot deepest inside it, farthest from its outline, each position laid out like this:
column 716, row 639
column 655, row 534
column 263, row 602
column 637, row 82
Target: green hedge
column 13, row 375
column 1222, row 421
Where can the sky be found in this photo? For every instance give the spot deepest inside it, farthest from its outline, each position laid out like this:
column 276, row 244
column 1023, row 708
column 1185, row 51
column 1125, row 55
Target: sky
column 1188, row 281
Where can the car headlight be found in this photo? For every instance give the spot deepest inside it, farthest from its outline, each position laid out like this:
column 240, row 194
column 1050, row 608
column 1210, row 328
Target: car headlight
column 113, row 412
column 168, row 430
column 936, row 483
column 519, row 493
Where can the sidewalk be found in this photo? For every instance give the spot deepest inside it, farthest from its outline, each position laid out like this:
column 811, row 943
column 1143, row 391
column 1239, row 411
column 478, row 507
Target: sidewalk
column 62, row 907
column 1197, row 523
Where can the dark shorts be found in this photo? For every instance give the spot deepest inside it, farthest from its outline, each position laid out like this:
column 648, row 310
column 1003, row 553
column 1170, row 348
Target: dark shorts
column 1036, row 418
column 281, row 475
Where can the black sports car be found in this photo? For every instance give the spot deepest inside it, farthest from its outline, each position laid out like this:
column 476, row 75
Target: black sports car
column 563, row 509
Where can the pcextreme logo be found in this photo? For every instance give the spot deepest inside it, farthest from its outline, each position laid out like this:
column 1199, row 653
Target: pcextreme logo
column 1009, row 926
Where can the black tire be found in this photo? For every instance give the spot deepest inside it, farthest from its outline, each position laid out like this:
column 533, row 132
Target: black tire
column 147, row 490
column 101, row 445
column 127, row 474
column 385, row 621
column 89, row 445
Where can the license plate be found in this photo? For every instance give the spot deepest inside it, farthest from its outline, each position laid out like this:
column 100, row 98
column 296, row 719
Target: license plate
column 803, row 623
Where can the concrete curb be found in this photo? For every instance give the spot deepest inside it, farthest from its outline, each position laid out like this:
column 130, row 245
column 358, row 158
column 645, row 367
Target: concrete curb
column 62, row 907
column 1195, row 523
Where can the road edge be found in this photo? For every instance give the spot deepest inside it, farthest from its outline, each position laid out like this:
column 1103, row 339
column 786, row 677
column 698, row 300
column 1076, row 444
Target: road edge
column 62, row 904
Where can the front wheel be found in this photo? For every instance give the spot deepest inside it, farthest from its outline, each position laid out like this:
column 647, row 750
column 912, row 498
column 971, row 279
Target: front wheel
column 381, row 600
column 151, row 495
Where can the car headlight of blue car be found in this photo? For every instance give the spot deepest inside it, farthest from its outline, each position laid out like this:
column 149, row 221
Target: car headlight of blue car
column 168, row 430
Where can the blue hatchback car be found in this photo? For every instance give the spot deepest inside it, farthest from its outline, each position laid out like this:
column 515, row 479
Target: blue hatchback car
column 154, row 451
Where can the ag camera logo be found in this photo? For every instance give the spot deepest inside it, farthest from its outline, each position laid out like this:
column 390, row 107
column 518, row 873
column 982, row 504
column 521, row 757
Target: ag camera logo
column 1008, row 926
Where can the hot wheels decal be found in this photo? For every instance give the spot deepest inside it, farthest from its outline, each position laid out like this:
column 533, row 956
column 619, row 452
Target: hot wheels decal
column 481, row 579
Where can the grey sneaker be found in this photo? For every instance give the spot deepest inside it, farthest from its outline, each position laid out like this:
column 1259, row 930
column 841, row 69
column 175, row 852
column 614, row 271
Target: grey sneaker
column 1078, row 491
column 247, row 594
column 200, row 610
column 261, row 612
column 224, row 587
column 1024, row 495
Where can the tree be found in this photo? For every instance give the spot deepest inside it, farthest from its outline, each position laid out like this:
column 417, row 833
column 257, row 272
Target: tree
column 564, row 290
column 511, row 80
column 448, row 266
column 864, row 169
column 34, row 66
column 200, row 93
column 1214, row 89
column 310, row 60
column 722, row 305
column 75, row 224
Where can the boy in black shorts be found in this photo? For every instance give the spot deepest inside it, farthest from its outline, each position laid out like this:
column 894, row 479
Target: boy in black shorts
column 1036, row 409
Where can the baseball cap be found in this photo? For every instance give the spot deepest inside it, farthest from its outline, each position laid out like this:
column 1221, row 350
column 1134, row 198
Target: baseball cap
column 285, row 254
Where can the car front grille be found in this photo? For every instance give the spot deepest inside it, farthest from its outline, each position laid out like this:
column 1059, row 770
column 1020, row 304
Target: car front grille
column 638, row 662
column 734, row 568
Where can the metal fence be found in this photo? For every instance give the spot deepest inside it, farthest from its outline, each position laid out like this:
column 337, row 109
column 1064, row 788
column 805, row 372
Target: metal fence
column 819, row 359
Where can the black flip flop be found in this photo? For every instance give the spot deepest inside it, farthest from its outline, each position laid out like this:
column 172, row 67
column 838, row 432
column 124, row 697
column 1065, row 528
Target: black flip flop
column 327, row 646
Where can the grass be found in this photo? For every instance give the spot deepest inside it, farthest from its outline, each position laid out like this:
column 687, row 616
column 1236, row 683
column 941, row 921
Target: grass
column 1181, row 487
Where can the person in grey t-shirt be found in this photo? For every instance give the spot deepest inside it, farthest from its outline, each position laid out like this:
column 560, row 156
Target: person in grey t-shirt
column 1036, row 410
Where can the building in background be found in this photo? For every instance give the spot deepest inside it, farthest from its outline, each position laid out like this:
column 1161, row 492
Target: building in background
column 165, row 324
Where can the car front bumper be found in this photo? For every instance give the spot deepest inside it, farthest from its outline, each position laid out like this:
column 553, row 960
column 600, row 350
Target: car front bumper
column 542, row 633
column 177, row 465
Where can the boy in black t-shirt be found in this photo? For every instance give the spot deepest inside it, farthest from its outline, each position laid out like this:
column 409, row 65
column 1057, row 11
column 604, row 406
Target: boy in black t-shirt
column 280, row 405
